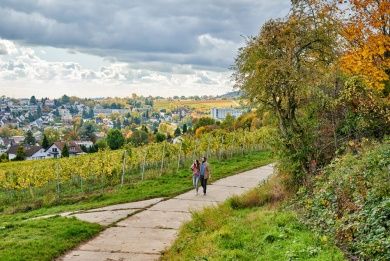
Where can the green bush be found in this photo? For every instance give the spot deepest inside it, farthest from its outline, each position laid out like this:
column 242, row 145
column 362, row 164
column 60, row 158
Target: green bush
column 350, row 200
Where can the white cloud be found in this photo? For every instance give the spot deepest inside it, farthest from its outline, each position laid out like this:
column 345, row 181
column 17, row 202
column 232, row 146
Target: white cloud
column 22, row 67
column 7, row 47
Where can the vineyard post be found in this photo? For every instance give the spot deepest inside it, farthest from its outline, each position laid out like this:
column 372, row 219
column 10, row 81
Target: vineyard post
column 31, row 189
column 220, row 148
column 195, row 149
column 232, row 149
column 57, row 181
column 243, row 144
column 102, row 174
column 143, row 165
column 208, row 149
column 123, row 167
column 162, row 159
column 178, row 158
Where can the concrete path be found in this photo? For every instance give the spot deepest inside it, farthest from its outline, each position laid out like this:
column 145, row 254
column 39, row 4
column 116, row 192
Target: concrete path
column 154, row 224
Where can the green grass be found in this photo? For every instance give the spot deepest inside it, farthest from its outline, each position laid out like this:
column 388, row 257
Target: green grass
column 43, row 239
column 247, row 227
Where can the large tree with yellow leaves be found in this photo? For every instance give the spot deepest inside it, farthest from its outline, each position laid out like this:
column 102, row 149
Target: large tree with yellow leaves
column 366, row 29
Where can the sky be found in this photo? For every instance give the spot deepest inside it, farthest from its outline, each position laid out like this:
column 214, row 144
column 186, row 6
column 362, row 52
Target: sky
column 115, row 48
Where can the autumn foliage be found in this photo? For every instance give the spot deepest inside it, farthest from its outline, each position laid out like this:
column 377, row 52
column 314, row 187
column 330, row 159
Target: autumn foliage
column 366, row 29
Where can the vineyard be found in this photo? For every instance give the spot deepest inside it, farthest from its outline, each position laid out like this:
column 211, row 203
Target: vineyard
column 198, row 105
column 55, row 179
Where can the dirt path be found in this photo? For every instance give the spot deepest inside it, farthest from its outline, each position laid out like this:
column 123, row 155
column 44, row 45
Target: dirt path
column 153, row 224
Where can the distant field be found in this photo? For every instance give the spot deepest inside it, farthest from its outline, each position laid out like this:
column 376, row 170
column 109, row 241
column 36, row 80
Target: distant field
column 201, row 105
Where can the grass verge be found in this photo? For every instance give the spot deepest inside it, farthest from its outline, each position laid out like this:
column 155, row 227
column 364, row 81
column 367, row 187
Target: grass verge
column 250, row 227
column 43, row 239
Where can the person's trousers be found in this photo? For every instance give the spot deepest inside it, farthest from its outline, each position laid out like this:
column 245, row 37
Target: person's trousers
column 195, row 182
column 203, row 182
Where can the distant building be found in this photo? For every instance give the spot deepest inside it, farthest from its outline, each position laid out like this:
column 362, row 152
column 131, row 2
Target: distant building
column 31, row 152
column 18, row 139
column 7, row 121
column 87, row 144
column 55, row 150
column 107, row 111
column 7, row 142
column 49, row 103
column 221, row 113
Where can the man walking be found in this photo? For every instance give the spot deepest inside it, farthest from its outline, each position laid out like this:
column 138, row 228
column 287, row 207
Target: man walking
column 204, row 174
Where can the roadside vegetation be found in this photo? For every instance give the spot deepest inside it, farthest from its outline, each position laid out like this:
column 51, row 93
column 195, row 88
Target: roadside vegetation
column 350, row 202
column 251, row 227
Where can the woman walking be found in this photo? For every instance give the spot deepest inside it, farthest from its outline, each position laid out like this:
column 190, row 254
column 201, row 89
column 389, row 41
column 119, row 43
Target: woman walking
column 195, row 175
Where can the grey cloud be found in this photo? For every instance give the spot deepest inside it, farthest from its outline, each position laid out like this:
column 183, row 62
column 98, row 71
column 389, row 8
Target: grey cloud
column 204, row 79
column 3, row 50
column 199, row 33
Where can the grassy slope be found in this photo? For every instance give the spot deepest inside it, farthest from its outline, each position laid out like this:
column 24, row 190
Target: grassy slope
column 244, row 229
column 249, row 234
column 22, row 238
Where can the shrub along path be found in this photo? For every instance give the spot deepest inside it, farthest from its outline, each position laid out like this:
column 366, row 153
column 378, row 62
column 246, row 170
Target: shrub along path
column 154, row 225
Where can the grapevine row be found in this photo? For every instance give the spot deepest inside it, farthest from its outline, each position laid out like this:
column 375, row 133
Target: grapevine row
column 108, row 165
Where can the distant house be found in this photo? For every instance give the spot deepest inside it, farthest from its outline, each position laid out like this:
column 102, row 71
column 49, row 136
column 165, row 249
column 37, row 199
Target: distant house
column 24, row 102
column 7, row 142
column 22, row 118
column 55, row 150
column 32, row 152
column 3, row 147
column 38, row 123
column 108, row 123
column 99, row 121
column 49, row 103
column 6, row 121
column 87, row 144
column 18, row 139
column 38, row 135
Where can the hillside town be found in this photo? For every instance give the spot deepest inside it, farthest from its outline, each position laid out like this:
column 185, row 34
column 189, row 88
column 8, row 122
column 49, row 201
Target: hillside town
column 33, row 128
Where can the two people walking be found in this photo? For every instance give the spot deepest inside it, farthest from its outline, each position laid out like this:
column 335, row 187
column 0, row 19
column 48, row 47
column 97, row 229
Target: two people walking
column 200, row 172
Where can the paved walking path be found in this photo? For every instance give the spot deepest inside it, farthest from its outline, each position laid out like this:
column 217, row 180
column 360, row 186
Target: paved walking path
column 154, row 224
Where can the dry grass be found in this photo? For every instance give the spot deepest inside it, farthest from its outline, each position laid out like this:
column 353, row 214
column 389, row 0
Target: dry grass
column 270, row 192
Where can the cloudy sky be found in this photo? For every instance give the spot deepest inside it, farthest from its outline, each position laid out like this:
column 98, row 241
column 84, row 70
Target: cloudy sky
column 100, row 48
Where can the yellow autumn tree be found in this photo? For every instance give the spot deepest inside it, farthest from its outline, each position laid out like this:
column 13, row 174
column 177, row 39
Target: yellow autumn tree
column 366, row 29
